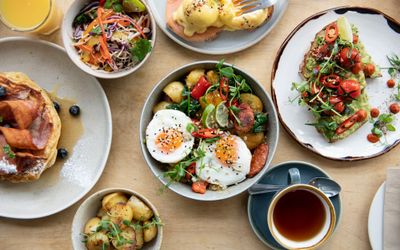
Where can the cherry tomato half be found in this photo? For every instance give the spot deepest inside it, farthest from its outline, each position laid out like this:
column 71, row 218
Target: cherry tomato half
column 350, row 87
column 331, row 33
column 337, row 103
column 369, row 69
column 331, row 81
column 349, row 57
column 357, row 67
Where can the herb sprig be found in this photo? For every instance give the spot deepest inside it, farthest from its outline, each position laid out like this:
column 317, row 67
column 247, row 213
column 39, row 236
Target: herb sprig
column 8, row 151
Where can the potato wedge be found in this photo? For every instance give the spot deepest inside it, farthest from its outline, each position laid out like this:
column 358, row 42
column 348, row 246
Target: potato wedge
column 149, row 231
column 160, row 106
column 193, row 77
column 212, row 77
column 111, row 199
column 252, row 140
column 174, row 91
column 129, row 235
column 141, row 211
column 253, row 100
column 91, row 225
column 98, row 241
column 120, row 212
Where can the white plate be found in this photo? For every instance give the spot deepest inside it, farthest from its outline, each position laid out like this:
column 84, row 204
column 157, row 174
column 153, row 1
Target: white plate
column 375, row 219
column 293, row 117
column 49, row 66
column 226, row 42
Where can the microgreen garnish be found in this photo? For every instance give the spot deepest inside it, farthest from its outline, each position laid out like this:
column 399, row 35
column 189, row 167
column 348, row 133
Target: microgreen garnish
column 383, row 124
column 113, row 232
column 394, row 61
column 8, row 151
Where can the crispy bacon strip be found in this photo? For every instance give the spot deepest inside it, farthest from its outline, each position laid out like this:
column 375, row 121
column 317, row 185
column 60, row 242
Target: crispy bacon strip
column 23, row 112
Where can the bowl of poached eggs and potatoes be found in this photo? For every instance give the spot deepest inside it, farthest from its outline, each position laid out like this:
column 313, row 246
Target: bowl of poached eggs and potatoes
column 208, row 131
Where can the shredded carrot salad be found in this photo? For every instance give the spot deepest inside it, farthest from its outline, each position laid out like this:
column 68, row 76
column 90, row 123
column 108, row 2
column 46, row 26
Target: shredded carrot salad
column 109, row 39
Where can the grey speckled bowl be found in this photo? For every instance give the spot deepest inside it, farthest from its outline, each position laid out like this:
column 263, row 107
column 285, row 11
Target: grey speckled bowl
column 184, row 189
column 91, row 205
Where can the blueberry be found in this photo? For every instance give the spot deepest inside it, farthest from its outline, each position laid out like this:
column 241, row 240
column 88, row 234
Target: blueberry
column 3, row 91
column 74, row 110
column 56, row 106
column 62, row 153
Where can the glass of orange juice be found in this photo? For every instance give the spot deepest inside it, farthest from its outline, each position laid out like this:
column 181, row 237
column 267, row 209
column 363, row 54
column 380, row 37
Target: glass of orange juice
column 34, row 16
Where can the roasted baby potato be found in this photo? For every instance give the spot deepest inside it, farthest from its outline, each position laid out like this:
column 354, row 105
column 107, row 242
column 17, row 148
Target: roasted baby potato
column 194, row 77
column 98, row 241
column 160, row 106
column 139, row 238
column 252, row 140
column 111, row 199
column 149, row 231
column 120, row 212
column 141, row 211
column 129, row 235
column 174, row 91
column 253, row 100
column 91, row 225
column 212, row 77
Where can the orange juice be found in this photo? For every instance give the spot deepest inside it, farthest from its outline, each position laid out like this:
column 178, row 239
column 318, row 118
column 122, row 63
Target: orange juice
column 39, row 16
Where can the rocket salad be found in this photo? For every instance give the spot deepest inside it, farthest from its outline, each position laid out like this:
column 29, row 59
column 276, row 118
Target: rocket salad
column 112, row 35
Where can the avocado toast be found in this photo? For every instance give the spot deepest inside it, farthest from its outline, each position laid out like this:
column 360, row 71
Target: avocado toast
column 334, row 71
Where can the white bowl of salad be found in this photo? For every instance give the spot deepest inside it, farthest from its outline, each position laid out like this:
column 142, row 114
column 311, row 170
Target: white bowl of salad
column 109, row 38
column 208, row 131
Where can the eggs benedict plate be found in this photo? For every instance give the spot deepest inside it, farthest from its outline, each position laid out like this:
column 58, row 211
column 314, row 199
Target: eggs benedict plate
column 202, row 20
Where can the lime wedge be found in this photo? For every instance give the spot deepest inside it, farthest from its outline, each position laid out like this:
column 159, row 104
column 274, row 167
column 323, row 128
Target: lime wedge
column 344, row 28
column 222, row 115
column 208, row 117
column 133, row 6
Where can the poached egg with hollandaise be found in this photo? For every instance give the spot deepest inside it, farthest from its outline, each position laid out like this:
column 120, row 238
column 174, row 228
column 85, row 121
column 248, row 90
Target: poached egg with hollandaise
column 167, row 138
column 226, row 161
column 196, row 16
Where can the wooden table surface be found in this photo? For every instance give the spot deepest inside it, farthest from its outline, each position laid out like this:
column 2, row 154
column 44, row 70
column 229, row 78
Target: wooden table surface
column 213, row 225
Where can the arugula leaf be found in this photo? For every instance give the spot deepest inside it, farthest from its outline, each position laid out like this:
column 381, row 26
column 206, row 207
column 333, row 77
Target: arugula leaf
column 260, row 120
column 141, row 48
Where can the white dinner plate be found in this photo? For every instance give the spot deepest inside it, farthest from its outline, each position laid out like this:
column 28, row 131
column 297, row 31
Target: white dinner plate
column 226, row 42
column 61, row 186
column 381, row 36
column 375, row 219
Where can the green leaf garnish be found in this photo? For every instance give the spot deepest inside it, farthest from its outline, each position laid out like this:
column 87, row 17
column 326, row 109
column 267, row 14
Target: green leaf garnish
column 141, row 48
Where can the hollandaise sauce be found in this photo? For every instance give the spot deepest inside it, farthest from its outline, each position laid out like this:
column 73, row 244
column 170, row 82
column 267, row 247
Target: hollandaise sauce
column 40, row 16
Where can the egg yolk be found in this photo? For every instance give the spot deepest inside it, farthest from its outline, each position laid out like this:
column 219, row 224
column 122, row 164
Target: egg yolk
column 225, row 150
column 169, row 139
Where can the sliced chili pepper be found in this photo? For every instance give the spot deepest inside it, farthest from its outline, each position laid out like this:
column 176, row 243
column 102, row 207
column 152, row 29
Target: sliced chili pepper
column 331, row 81
column 224, row 88
column 331, row 33
column 205, row 133
column 200, row 88
column 199, row 187
column 359, row 116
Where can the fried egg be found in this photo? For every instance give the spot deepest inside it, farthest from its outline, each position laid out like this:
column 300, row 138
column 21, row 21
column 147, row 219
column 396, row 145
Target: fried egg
column 167, row 139
column 226, row 161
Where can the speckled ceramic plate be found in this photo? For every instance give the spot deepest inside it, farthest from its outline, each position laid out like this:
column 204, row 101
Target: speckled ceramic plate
column 381, row 36
column 61, row 186
column 226, row 42
column 257, row 205
column 375, row 219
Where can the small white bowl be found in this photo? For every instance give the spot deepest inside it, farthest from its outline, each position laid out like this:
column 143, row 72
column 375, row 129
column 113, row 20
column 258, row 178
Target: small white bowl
column 91, row 205
column 67, row 30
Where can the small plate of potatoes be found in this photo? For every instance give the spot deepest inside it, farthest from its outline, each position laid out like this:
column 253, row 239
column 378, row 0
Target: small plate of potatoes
column 116, row 218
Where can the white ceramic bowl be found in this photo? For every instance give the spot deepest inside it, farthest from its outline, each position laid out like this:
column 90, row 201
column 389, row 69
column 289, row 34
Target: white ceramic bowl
column 91, row 205
column 67, row 30
column 185, row 189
